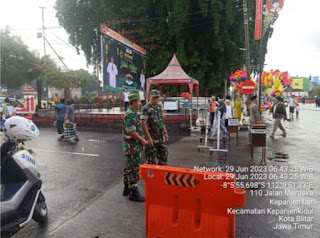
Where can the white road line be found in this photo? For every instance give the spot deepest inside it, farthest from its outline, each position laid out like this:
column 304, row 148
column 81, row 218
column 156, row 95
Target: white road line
column 63, row 152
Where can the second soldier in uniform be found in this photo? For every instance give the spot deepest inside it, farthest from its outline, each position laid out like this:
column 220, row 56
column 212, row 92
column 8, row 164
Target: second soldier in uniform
column 155, row 131
column 133, row 143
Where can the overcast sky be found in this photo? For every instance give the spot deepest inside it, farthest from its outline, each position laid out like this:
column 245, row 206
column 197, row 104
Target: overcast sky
column 24, row 16
column 294, row 46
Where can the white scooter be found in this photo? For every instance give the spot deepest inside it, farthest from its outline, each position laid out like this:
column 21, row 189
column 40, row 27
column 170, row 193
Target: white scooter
column 21, row 196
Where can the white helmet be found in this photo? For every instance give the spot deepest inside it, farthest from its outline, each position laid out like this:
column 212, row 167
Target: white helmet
column 20, row 128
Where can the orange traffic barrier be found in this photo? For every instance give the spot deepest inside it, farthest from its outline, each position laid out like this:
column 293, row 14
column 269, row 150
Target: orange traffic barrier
column 184, row 203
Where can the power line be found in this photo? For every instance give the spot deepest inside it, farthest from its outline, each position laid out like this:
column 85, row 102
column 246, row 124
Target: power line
column 137, row 20
column 57, row 54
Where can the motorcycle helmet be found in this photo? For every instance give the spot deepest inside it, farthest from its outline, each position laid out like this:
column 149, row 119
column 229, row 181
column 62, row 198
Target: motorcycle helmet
column 20, row 128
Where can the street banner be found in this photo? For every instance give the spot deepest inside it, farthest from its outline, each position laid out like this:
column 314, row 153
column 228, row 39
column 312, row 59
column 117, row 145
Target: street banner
column 123, row 62
column 258, row 26
column 274, row 6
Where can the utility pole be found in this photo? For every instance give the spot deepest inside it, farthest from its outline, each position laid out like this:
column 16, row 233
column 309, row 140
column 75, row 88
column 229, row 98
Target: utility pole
column 247, row 44
column 246, row 37
column 44, row 54
column 260, row 61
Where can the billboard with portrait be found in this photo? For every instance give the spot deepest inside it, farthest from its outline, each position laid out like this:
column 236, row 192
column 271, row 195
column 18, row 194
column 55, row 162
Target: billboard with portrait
column 123, row 62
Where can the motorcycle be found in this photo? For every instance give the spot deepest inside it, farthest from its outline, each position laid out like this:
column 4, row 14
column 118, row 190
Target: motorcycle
column 21, row 196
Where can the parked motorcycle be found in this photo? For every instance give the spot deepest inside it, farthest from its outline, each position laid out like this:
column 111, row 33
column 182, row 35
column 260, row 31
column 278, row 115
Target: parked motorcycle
column 21, row 196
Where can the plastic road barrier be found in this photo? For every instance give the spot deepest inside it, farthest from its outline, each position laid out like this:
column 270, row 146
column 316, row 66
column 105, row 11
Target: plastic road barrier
column 186, row 203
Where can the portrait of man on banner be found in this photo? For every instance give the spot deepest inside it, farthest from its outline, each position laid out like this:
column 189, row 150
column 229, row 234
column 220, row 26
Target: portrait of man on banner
column 112, row 70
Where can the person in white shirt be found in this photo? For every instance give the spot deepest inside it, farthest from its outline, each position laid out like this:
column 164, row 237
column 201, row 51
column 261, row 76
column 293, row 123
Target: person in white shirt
column 292, row 103
column 142, row 79
column 229, row 113
column 126, row 99
column 142, row 96
column 113, row 72
column 297, row 110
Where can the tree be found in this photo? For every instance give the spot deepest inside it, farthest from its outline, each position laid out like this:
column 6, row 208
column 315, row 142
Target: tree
column 205, row 35
column 315, row 91
column 43, row 70
column 70, row 80
column 16, row 61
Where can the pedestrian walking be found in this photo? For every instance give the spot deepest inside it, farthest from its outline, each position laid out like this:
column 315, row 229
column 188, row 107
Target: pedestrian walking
column 56, row 99
column 69, row 123
column 133, row 143
column 60, row 110
column 292, row 103
column 317, row 101
column 229, row 113
column 238, row 109
column 155, row 131
column 297, row 110
column 279, row 112
column 220, row 113
column 126, row 99
column 212, row 108
column 254, row 111
column 7, row 111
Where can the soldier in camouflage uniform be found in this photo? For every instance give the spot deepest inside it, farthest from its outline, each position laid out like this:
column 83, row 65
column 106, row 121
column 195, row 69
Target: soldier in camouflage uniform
column 155, row 131
column 133, row 143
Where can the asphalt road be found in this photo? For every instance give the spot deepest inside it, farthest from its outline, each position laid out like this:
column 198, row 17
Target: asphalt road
column 74, row 174
column 82, row 180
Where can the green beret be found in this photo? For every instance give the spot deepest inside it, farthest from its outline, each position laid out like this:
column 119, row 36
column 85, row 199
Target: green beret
column 134, row 96
column 155, row 93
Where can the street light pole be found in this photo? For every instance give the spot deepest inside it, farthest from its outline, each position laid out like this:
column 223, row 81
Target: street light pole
column 260, row 62
column 98, row 78
column 246, row 37
column 44, row 53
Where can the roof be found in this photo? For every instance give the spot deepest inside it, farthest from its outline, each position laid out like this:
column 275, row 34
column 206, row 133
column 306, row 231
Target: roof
column 293, row 90
column 173, row 74
column 29, row 90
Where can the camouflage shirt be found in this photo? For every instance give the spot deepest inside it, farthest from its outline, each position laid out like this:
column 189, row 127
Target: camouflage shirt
column 131, row 123
column 154, row 117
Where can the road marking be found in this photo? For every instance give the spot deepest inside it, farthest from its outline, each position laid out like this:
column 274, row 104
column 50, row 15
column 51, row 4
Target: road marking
column 63, row 152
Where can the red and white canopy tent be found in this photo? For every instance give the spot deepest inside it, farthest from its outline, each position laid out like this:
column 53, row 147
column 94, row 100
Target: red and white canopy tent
column 173, row 75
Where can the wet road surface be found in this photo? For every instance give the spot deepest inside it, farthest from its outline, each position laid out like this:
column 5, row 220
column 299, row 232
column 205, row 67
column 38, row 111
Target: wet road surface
column 82, row 180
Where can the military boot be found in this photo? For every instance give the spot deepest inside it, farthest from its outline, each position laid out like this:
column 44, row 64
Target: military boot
column 126, row 190
column 136, row 196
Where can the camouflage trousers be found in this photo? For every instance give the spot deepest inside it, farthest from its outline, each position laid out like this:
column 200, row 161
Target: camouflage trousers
column 131, row 170
column 158, row 151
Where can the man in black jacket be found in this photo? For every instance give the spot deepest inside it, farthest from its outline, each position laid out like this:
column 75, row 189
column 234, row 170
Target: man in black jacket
column 279, row 112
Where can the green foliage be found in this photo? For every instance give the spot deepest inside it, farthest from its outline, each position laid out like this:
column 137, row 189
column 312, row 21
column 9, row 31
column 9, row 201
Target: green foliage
column 83, row 100
column 204, row 34
column 16, row 60
column 315, row 91
column 94, row 100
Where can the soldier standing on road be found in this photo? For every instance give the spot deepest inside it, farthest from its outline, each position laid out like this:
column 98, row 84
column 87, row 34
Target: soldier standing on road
column 133, row 143
column 155, row 131
column 279, row 113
